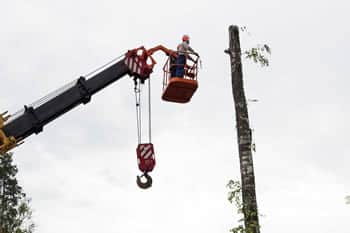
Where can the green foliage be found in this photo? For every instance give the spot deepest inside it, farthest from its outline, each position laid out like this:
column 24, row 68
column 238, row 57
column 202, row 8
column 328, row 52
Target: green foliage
column 259, row 54
column 235, row 197
column 15, row 213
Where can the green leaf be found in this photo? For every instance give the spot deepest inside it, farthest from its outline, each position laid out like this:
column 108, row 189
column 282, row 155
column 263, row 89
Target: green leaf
column 15, row 214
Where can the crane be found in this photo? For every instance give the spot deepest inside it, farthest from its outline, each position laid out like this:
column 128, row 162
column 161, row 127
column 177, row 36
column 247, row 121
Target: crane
column 137, row 63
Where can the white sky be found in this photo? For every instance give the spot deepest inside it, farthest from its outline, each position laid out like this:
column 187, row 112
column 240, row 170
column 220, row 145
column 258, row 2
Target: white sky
column 80, row 172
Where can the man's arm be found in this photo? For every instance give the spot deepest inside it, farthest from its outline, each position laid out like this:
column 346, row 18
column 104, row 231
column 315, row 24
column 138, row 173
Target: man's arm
column 189, row 49
column 192, row 51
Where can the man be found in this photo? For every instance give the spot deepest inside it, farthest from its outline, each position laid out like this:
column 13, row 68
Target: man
column 183, row 51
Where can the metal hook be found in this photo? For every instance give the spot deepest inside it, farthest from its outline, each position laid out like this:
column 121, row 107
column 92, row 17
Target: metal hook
column 144, row 185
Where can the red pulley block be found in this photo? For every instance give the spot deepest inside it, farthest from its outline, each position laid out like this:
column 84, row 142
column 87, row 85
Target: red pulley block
column 145, row 157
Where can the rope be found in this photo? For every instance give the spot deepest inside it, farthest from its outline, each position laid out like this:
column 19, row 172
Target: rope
column 69, row 85
column 53, row 94
column 149, row 112
column 60, row 90
column 137, row 91
column 103, row 66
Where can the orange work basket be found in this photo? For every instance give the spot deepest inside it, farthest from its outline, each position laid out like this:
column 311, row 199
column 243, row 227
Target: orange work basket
column 178, row 89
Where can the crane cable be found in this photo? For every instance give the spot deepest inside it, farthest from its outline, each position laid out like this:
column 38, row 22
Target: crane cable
column 149, row 112
column 137, row 90
column 58, row 91
column 111, row 62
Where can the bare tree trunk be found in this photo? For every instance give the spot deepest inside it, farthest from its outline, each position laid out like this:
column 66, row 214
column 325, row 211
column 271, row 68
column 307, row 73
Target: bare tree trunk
column 1, row 204
column 244, row 134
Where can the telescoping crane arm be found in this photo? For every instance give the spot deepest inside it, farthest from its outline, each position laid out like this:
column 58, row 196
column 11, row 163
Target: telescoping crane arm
column 137, row 63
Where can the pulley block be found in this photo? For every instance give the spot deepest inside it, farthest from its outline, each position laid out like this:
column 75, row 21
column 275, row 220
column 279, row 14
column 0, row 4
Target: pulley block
column 146, row 162
column 145, row 157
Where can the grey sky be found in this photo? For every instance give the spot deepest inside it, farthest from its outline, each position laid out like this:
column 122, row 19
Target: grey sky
column 80, row 172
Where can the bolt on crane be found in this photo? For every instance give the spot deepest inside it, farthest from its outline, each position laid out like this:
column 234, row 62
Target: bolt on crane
column 137, row 63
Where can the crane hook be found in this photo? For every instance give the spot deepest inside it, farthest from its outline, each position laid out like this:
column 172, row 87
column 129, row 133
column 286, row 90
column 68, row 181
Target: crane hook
column 144, row 185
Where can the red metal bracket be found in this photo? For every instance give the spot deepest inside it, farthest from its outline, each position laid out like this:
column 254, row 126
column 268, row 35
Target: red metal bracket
column 140, row 63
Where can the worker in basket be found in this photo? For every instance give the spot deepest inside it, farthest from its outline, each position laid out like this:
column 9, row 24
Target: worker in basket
column 183, row 51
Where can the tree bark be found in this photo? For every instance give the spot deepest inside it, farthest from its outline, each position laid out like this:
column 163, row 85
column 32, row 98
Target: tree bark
column 244, row 135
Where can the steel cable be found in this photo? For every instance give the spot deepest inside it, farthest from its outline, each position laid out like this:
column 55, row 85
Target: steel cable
column 149, row 112
column 137, row 91
column 60, row 90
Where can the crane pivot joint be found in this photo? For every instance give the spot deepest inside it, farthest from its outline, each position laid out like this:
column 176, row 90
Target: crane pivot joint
column 6, row 143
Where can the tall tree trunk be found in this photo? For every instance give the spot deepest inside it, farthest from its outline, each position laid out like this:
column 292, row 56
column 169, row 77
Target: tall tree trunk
column 244, row 135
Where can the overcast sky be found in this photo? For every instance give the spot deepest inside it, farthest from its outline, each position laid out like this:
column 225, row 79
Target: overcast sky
column 80, row 172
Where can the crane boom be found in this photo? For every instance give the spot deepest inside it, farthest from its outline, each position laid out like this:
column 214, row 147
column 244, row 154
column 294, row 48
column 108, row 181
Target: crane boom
column 31, row 120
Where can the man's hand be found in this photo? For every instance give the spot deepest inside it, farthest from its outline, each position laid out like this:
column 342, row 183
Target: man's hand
column 189, row 57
